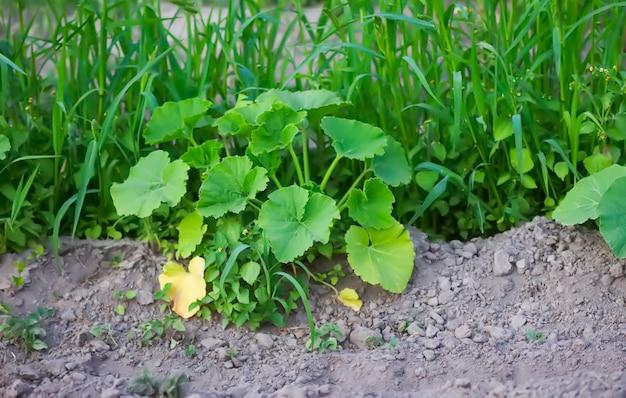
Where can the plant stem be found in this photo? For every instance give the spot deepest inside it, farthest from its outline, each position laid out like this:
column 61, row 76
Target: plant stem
column 251, row 203
column 275, row 180
column 356, row 182
column 296, row 163
column 329, row 172
column 305, row 155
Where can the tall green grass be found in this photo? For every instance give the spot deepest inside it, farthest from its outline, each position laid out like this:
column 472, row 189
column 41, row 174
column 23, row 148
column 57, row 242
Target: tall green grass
column 511, row 101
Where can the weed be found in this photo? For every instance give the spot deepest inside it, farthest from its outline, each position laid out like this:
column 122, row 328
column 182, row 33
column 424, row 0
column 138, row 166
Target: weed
column 25, row 331
column 191, row 351
column 533, row 336
column 169, row 327
column 103, row 331
column 327, row 338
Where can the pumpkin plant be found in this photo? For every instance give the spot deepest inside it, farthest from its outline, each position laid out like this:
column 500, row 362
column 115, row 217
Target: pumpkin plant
column 287, row 171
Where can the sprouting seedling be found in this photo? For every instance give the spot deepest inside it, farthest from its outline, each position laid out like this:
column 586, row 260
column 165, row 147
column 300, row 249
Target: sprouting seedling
column 26, row 331
column 328, row 337
column 534, row 335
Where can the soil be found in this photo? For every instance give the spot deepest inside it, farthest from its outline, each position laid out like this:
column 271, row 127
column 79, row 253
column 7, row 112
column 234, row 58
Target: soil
column 536, row 311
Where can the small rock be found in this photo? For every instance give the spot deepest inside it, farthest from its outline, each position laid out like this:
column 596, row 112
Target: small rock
column 517, row 321
column 479, row 338
column 28, row 372
column 436, row 317
column 264, row 340
column 616, row 270
column 470, row 248
column 68, row 315
column 606, row 279
column 18, row 389
column 363, row 337
column 99, row 345
column 229, row 365
column 211, row 343
column 463, row 383
column 432, row 343
column 110, row 393
column 144, row 297
column 433, row 301
column 420, row 372
column 521, row 265
column 501, row 264
column 78, row 376
column 498, row 332
column 429, row 355
column 414, row 329
column 431, row 331
column 463, row 332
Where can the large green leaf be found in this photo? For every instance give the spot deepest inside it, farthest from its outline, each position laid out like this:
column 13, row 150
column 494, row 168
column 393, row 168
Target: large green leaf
column 372, row 206
column 203, row 156
column 277, row 128
column 353, row 139
column 294, row 218
column 381, row 257
column 174, row 120
column 612, row 212
column 5, row 146
column 190, row 233
column 581, row 202
column 228, row 186
column 152, row 181
column 304, row 100
column 392, row 166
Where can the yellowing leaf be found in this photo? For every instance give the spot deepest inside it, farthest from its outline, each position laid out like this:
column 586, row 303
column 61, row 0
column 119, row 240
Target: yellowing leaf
column 350, row 298
column 186, row 287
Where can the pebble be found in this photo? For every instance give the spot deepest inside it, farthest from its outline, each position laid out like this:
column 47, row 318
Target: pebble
column 431, row 331
column 498, row 332
column 606, row 279
column 501, row 264
column 363, row 337
column 463, row 383
column 420, row 372
column 429, row 355
column 211, row 343
column 517, row 321
column 436, row 317
column 463, row 332
column 414, row 329
column 144, row 297
column 479, row 338
column 432, row 343
column 68, row 315
column 433, row 302
column 521, row 265
column 110, row 393
column 616, row 270
column 264, row 340
column 28, row 372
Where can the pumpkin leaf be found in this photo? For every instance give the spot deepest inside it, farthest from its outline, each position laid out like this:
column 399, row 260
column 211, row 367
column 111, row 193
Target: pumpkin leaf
column 186, row 287
column 303, row 100
column 372, row 206
column 381, row 257
column 277, row 128
column 203, row 156
column 350, row 298
column 294, row 218
column 190, row 233
column 152, row 181
column 353, row 139
column 612, row 214
column 392, row 166
column 581, row 202
column 175, row 120
column 228, row 185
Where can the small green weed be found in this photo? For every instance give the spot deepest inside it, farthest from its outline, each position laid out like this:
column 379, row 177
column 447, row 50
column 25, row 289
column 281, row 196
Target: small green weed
column 26, row 331
column 327, row 338
column 169, row 327
column 535, row 336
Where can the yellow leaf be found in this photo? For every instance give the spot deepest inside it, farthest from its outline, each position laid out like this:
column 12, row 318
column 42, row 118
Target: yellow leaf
column 350, row 298
column 186, row 287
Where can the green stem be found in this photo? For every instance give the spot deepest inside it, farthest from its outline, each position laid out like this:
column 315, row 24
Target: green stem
column 296, row 163
column 251, row 203
column 275, row 180
column 256, row 201
column 329, row 172
column 356, row 182
column 305, row 155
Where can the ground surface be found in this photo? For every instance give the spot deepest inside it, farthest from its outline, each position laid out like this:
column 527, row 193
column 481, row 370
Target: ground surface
column 461, row 328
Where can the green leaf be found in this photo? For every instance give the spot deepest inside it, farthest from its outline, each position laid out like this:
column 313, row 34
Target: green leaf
column 228, row 186
column 372, row 207
column 439, row 150
column 528, row 182
column 392, row 166
column 190, row 233
column 277, row 128
column 426, row 179
column 502, row 129
column 383, row 257
column 203, row 156
column 581, row 202
column 294, row 218
column 561, row 170
column 353, row 139
column 250, row 271
column 527, row 160
column 303, row 100
column 174, row 120
column 5, row 146
column 233, row 122
column 152, row 181
column 612, row 213
column 597, row 162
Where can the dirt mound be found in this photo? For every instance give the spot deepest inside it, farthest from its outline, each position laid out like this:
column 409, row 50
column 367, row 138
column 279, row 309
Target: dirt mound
column 536, row 311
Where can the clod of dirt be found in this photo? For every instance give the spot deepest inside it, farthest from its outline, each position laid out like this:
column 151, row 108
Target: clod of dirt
column 467, row 325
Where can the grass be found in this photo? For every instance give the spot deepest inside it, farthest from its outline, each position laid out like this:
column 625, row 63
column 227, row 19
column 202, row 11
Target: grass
column 509, row 101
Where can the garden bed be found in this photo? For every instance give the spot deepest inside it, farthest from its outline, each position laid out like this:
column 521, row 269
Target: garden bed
column 536, row 311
